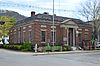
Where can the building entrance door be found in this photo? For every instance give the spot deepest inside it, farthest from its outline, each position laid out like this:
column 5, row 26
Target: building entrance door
column 70, row 37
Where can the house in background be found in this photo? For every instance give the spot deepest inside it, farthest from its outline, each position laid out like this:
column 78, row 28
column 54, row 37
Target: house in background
column 39, row 30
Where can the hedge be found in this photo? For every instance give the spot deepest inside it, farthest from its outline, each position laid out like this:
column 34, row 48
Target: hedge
column 26, row 46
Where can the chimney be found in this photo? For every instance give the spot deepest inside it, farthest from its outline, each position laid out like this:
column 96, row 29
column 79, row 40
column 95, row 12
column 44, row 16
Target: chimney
column 32, row 13
column 46, row 13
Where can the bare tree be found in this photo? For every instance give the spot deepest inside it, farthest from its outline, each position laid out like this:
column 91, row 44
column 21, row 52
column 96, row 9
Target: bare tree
column 91, row 11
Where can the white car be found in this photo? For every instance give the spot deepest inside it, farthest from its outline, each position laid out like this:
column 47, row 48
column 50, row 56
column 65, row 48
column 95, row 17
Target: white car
column 97, row 44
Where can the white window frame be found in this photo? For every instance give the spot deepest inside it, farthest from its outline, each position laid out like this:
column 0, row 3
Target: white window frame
column 52, row 37
column 45, row 37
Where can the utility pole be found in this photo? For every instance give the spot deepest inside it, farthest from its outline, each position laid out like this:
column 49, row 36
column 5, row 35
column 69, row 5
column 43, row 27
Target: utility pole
column 53, row 23
column 53, row 28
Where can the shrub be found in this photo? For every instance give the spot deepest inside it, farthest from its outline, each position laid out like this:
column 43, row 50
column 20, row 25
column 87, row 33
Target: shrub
column 67, row 48
column 12, row 46
column 1, row 45
column 56, row 48
column 27, row 46
column 57, row 44
column 47, row 48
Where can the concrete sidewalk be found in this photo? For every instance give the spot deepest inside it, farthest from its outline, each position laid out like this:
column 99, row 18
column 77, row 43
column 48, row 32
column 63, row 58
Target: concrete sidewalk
column 47, row 53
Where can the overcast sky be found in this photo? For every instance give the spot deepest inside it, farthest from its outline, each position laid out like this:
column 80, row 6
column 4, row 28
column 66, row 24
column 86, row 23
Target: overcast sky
column 66, row 8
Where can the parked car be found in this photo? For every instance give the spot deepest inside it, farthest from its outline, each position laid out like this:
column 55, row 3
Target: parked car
column 97, row 44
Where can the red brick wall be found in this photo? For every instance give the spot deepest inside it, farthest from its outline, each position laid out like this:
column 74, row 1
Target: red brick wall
column 37, row 34
column 36, row 31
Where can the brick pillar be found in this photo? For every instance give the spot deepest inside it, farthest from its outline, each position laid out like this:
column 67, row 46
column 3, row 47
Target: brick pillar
column 48, row 33
column 37, row 33
column 65, row 35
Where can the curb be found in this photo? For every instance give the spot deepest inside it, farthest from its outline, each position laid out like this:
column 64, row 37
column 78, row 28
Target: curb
column 48, row 53
column 68, row 52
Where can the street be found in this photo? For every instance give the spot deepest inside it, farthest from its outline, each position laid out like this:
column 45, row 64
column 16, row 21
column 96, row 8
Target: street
column 75, row 59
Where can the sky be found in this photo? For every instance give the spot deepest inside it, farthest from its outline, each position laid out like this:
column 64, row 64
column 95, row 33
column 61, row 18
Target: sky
column 67, row 8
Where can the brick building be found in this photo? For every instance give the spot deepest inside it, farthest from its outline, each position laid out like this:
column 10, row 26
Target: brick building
column 38, row 29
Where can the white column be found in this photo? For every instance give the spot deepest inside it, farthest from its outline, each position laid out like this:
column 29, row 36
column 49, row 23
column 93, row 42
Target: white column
column 98, row 35
column 73, row 36
column 67, row 35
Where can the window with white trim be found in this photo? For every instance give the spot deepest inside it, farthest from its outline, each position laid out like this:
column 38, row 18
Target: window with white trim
column 43, row 36
column 52, row 36
column 30, row 35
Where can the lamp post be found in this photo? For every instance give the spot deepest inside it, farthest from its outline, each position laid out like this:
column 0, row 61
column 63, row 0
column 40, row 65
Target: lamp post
column 53, row 23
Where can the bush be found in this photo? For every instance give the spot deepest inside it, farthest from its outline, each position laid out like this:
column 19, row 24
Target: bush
column 67, row 48
column 57, row 44
column 1, row 45
column 12, row 46
column 27, row 46
column 47, row 48
column 56, row 48
column 52, row 48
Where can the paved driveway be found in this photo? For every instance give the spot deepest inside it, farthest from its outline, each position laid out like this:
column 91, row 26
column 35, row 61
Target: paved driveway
column 8, row 58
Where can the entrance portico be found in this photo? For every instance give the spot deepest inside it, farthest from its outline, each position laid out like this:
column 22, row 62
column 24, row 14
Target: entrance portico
column 70, row 29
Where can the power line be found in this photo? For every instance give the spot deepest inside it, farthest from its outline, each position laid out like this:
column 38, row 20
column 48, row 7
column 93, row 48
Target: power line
column 24, row 6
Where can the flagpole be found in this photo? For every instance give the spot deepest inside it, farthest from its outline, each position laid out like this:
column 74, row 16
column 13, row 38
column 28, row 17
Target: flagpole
column 53, row 23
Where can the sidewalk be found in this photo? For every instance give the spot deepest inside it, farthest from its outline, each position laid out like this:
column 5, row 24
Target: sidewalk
column 64, row 52
column 47, row 53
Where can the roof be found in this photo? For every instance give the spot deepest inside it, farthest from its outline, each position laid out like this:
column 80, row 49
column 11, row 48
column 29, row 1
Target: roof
column 49, row 18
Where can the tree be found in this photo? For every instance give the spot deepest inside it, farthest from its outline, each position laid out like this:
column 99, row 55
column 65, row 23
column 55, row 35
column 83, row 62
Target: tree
column 90, row 10
column 4, row 28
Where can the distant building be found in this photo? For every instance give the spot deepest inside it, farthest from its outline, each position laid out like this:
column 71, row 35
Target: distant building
column 39, row 30
column 97, row 28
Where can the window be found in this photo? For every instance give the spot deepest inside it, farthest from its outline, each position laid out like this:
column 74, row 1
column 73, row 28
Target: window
column 52, row 36
column 43, row 36
column 19, row 37
column 15, row 37
column 30, row 35
column 86, row 36
column 80, row 37
column 24, row 33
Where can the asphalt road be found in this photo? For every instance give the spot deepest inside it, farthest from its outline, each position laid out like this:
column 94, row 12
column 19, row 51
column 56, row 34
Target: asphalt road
column 18, row 59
